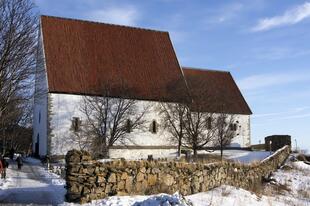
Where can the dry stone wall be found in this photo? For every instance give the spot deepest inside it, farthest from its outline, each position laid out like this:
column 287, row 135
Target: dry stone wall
column 87, row 179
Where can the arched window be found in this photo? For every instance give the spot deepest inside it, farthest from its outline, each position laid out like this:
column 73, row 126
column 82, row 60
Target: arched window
column 154, row 127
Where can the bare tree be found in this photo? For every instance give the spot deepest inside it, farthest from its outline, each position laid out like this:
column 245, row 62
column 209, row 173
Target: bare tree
column 18, row 32
column 17, row 127
column 189, row 123
column 79, row 135
column 173, row 117
column 20, row 139
column 109, row 120
column 226, row 130
column 199, row 128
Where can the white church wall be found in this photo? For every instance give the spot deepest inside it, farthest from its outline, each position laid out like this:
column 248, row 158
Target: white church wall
column 40, row 127
column 142, row 153
column 63, row 108
column 66, row 106
column 40, row 105
column 243, row 134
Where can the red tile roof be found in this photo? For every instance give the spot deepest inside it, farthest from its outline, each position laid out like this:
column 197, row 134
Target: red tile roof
column 81, row 56
column 215, row 91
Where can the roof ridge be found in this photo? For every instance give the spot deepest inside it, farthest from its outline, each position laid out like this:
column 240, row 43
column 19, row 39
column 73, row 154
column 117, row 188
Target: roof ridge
column 104, row 23
column 205, row 69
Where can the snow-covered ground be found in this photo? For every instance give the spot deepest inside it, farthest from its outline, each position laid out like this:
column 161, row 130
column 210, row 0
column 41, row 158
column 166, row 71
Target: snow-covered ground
column 32, row 184
column 242, row 156
column 291, row 186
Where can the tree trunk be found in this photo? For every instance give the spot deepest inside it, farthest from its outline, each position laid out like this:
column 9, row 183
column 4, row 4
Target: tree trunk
column 104, row 148
column 105, row 153
column 195, row 146
column 221, row 150
column 179, row 146
column 195, row 152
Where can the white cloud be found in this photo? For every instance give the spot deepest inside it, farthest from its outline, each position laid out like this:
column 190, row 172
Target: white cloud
column 224, row 13
column 267, row 80
column 277, row 53
column 229, row 12
column 116, row 15
column 297, row 116
column 291, row 16
column 288, row 113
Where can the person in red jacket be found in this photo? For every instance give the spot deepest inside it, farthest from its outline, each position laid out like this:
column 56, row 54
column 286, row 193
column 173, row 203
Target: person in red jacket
column 1, row 168
column 5, row 165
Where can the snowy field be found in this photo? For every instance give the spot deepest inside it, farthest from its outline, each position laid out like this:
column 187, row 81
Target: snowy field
column 291, row 186
column 242, row 156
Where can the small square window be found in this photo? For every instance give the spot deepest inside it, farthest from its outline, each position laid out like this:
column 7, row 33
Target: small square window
column 209, row 123
column 233, row 127
column 128, row 126
column 154, row 127
column 76, row 124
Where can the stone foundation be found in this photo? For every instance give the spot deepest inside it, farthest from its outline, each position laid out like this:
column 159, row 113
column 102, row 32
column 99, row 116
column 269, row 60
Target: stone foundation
column 88, row 179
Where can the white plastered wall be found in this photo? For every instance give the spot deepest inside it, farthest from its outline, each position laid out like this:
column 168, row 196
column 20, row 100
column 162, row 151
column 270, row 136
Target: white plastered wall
column 243, row 138
column 65, row 107
column 40, row 104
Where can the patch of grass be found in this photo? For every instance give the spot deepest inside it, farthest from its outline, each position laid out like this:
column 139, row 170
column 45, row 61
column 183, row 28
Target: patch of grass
column 286, row 168
column 257, row 188
column 276, row 189
column 304, row 193
column 284, row 187
column 225, row 192
column 158, row 188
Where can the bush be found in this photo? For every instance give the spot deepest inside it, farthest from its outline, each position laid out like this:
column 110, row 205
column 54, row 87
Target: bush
column 302, row 157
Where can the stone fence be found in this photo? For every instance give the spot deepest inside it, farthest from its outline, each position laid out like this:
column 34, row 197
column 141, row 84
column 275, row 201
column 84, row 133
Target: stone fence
column 88, row 179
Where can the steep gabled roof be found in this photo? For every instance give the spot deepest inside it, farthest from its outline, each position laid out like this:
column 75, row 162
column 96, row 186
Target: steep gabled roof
column 82, row 56
column 215, row 91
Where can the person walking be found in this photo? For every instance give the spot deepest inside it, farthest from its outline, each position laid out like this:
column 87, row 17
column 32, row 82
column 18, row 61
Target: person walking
column 19, row 162
column 12, row 151
column 5, row 165
column 1, row 167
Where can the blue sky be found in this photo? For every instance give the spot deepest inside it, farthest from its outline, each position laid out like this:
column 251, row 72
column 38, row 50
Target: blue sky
column 263, row 43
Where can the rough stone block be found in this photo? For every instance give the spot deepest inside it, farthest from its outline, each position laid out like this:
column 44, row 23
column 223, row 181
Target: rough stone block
column 167, row 179
column 112, row 178
column 140, row 177
column 151, row 179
